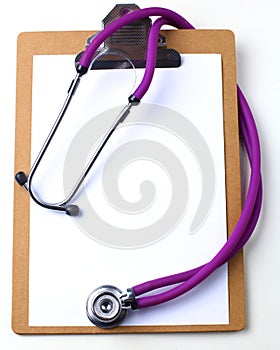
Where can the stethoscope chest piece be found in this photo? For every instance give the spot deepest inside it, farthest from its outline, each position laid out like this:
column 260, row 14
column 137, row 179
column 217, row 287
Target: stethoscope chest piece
column 104, row 307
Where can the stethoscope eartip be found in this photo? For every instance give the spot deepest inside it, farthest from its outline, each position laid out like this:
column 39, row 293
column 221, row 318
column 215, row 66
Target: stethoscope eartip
column 21, row 178
column 72, row 210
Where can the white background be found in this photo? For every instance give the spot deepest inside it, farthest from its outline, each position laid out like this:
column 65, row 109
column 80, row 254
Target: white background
column 256, row 27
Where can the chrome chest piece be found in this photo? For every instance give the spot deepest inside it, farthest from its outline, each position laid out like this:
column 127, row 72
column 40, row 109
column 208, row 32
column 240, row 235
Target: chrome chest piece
column 107, row 306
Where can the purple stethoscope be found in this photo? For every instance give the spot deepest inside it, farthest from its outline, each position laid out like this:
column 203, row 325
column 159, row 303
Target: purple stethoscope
column 107, row 305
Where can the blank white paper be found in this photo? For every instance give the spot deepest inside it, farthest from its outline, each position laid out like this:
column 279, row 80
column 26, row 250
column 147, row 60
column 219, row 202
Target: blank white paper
column 65, row 263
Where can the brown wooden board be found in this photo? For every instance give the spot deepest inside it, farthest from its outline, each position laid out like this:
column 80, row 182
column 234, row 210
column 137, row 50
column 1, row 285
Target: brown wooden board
column 185, row 41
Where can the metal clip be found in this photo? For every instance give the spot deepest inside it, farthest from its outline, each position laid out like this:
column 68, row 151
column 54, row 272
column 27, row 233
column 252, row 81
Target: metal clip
column 131, row 41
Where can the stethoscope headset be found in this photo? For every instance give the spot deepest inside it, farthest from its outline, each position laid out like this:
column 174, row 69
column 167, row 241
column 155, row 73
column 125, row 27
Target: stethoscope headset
column 107, row 305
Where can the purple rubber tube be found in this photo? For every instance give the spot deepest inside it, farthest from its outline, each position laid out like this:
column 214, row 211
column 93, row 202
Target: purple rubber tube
column 252, row 206
column 151, row 58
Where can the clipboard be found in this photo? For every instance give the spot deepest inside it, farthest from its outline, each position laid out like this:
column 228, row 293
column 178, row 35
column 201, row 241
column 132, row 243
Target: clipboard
column 185, row 41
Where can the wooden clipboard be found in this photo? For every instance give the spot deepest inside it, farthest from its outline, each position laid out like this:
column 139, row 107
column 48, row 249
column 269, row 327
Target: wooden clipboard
column 185, row 41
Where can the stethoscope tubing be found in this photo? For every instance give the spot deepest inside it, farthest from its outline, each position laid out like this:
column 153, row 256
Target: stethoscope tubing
column 252, row 205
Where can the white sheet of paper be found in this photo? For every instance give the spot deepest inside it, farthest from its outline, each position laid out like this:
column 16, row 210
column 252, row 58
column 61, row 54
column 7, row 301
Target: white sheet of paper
column 65, row 264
